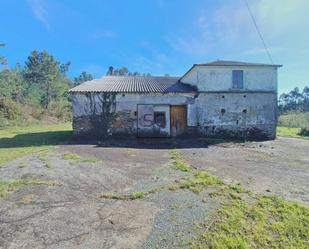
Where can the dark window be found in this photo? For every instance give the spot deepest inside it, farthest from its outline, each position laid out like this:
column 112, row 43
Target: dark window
column 238, row 79
column 159, row 119
column 222, row 111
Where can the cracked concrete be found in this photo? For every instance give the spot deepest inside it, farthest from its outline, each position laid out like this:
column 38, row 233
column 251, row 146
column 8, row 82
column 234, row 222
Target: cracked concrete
column 71, row 215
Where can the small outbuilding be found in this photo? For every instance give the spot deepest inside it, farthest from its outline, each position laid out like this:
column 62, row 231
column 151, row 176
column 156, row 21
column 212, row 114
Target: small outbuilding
column 220, row 98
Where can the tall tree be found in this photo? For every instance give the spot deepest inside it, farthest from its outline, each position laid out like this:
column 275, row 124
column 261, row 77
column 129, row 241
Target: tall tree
column 44, row 72
column 12, row 83
column 83, row 77
column 294, row 100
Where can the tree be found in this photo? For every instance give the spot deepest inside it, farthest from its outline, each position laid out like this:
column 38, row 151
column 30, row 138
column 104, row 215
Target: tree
column 45, row 74
column 83, row 77
column 3, row 60
column 294, row 100
column 123, row 71
column 12, row 83
column 64, row 68
column 110, row 71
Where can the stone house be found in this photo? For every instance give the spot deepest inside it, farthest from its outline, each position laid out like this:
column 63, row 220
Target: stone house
column 220, row 98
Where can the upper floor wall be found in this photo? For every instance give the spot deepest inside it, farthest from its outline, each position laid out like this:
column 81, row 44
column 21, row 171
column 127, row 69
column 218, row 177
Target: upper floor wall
column 222, row 78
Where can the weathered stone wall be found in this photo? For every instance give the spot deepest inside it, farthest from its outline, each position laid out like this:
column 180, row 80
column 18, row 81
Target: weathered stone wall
column 81, row 125
column 126, row 110
column 249, row 115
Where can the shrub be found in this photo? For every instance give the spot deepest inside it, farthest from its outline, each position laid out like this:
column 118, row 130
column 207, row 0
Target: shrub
column 9, row 109
column 294, row 119
column 61, row 109
column 304, row 132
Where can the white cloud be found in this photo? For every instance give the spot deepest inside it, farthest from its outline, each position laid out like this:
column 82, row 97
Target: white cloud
column 39, row 12
column 274, row 18
column 229, row 28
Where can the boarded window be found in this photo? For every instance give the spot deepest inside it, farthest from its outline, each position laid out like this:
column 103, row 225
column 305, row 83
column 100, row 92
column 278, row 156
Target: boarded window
column 159, row 119
column 238, row 79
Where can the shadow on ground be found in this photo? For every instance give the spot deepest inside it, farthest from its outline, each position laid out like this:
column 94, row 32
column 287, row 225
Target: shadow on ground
column 36, row 139
column 154, row 143
column 66, row 137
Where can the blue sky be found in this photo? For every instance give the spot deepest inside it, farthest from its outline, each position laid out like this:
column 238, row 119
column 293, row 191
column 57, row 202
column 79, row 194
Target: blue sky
column 158, row 36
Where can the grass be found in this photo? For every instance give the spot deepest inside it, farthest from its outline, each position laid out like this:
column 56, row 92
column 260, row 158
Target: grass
column 71, row 156
column 289, row 132
column 7, row 187
column 43, row 159
column 76, row 158
column 198, row 181
column 19, row 141
column 290, row 124
column 177, row 162
column 90, row 160
column 294, row 119
column 265, row 222
column 244, row 219
column 23, row 165
column 132, row 196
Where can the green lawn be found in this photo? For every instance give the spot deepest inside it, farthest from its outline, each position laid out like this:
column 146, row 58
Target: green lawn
column 289, row 132
column 19, row 141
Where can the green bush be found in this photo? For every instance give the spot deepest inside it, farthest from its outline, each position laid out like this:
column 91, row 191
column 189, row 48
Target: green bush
column 9, row 109
column 61, row 109
column 304, row 132
column 294, row 119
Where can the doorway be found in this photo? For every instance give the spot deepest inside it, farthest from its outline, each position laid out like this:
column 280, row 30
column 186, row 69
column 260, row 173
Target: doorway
column 178, row 120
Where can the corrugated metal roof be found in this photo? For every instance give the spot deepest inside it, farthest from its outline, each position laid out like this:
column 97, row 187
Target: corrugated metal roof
column 235, row 63
column 134, row 84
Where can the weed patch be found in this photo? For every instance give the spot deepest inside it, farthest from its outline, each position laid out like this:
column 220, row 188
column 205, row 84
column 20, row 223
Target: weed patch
column 264, row 222
column 198, row 181
column 90, row 160
column 23, row 165
column 290, row 132
column 71, row 156
column 177, row 163
column 132, row 196
column 6, row 187
column 27, row 199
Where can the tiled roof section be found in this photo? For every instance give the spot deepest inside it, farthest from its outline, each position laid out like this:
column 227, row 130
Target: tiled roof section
column 134, row 84
column 236, row 63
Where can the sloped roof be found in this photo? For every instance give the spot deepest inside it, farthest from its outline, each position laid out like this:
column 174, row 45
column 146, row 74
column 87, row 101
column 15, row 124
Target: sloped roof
column 235, row 63
column 134, row 84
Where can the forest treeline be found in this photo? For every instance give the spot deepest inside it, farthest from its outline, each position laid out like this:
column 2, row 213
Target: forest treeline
column 294, row 100
column 38, row 89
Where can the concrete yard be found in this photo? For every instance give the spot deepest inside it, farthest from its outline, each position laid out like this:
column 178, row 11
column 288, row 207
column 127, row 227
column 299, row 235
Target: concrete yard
column 69, row 211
